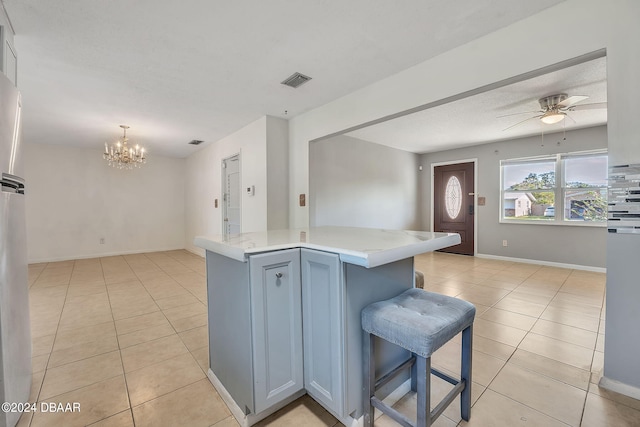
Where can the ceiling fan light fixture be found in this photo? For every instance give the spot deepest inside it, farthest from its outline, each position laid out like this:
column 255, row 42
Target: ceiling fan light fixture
column 551, row 117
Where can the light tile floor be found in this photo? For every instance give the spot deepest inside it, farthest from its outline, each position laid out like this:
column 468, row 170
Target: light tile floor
column 126, row 337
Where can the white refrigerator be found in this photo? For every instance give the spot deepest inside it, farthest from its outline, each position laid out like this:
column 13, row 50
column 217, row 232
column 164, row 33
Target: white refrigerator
column 15, row 334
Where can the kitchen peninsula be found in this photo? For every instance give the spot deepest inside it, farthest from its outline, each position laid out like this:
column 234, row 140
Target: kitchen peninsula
column 284, row 313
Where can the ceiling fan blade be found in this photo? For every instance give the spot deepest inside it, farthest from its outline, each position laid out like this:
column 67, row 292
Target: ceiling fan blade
column 571, row 100
column 593, row 106
column 521, row 122
column 517, row 114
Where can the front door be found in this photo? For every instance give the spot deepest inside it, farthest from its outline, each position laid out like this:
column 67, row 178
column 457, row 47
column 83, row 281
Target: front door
column 453, row 204
column 231, row 189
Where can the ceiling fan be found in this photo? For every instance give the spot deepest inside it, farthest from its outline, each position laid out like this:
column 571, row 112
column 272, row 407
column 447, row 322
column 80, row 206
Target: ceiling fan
column 554, row 108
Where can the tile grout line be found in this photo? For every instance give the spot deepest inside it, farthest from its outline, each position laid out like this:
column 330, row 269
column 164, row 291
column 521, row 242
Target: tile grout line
column 37, row 395
column 176, row 333
column 37, row 277
column 172, row 278
column 518, row 346
column 124, row 376
column 117, row 338
column 46, row 368
column 584, row 402
column 534, row 409
column 530, row 332
column 509, row 359
column 154, row 300
column 593, row 356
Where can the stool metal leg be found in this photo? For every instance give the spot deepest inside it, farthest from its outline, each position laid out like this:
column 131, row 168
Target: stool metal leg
column 423, row 370
column 414, row 375
column 369, row 377
column 465, row 396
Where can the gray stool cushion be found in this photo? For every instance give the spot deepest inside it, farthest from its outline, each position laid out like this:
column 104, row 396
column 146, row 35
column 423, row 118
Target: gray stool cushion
column 417, row 320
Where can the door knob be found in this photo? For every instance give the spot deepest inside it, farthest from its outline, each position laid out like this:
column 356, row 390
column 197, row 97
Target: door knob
column 279, row 275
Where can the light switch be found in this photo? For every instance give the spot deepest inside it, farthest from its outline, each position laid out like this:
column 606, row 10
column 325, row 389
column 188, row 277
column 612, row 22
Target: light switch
column 251, row 190
column 303, row 201
column 215, row 203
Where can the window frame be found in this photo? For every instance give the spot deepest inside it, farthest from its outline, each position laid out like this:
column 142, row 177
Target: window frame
column 559, row 190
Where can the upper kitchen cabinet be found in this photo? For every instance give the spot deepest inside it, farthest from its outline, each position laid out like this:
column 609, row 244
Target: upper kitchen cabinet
column 8, row 56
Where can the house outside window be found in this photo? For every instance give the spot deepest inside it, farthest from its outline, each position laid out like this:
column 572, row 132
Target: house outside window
column 568, row 189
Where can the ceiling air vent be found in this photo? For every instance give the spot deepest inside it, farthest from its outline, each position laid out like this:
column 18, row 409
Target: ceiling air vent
column 295, row 80
column 195, row 142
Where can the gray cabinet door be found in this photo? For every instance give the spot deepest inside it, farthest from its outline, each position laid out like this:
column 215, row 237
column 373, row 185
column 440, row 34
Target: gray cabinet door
column 277, row 326
column 323, row 311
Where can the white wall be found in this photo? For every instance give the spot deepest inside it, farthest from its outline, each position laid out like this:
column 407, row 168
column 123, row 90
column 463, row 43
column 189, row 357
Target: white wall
column 526, row 241
column 360, row 184
column 74, row 198
column 622, row 344
column 277, row 173
column 527, row 45
column 204, row 183
column 511, row 51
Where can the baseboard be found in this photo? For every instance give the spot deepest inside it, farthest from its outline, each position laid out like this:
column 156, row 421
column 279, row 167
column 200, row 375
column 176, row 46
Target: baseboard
column 102, row 255
column 196, row 251
column 545, row 263
column 618, row 387
column 243, row 419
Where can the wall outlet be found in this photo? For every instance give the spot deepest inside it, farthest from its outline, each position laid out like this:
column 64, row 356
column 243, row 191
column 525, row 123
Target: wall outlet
column 102, row 240
column 505, row 243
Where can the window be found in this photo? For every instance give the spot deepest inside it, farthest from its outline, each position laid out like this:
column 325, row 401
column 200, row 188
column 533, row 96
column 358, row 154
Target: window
column 453, row 197
column 532, row 182
column 585, row 188
column 530, row 191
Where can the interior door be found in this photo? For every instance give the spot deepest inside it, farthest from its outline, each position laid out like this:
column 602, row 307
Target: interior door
column 231, row 188
column 453, row 204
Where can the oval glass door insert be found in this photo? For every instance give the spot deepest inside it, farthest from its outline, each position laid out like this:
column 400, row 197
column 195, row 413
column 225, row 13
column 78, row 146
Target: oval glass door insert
column 453, row 197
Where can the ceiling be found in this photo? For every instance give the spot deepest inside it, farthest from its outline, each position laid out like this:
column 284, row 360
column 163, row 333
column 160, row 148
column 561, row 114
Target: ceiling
column 201, row 69
column 475, row 120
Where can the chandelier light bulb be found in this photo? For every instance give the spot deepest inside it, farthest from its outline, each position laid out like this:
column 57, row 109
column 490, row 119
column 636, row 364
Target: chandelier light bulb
column 121, row 156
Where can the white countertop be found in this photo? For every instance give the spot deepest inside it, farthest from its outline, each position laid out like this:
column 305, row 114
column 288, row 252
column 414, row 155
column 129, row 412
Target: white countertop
column 361, row 246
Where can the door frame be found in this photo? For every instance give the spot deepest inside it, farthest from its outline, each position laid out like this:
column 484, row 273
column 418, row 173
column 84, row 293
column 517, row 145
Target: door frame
column 223, row 184
column 475, row 195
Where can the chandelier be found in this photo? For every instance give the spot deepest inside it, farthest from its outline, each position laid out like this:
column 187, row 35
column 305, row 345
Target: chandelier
column 121, row 156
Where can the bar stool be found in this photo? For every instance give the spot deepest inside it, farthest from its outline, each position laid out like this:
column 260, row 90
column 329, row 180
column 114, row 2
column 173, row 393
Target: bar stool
column 421, row 322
